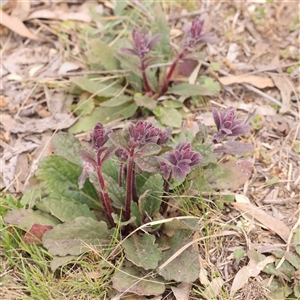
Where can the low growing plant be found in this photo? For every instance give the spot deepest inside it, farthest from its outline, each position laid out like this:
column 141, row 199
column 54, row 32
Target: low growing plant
column 152, row 72
column 118, row 192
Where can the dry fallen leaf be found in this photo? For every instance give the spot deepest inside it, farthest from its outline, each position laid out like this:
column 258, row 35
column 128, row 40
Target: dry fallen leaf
column 182, row 291
column 214, row 288
column 16, row 25
column 260, row 215
column 285, row 87
column 252, row 270
column 257, row 81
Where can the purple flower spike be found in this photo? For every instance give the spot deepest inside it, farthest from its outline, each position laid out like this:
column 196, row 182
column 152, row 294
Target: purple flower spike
column 179, row 161
column 228, row 124
column 143, row 132
column 99, row 136
column 195, row 35
column 142, row 43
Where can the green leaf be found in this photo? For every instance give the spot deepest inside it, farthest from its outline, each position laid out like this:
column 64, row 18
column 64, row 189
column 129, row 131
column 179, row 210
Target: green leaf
column 145, row 101
column 278, row 289
column 206, row 150
column 296, row 240
column 179, row 224
column 115, row 192
column 212, row 85
column 172, row 104
column 58, row 261
column 104, row 115
column 147, row 163
column 25, row 218
column 118, row 140
column 136, row 214
column 84, row 107
column 150, row 202
column 160, row 25
column 131, row 279
column 116, row 101
column 297, row 288
column 75, row 238
column 60, row 177
column 99, row 89
column 66, row 210
column 185, row 267
column 188, row 90
column 67, row 146
column 142, row 251
column 148, row 149
column 293, row 259
column 168, row 116
column 103, row 54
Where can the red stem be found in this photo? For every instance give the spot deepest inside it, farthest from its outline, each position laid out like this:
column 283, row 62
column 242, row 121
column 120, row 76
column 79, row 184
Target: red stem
column 170, row 73
column 105, row 197
column 134, row 193
column 129, row 188
column 147, row 85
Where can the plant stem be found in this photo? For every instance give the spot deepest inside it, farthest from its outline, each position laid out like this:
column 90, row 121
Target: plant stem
column 106, row 202
column 146, row 82
column 165, row 193
column 134, row 193
column 129, row 187
column 170, row 73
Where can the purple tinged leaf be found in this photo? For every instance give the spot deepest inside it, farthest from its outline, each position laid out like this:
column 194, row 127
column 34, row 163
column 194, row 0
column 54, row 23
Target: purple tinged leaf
column 87, row 157
column 87, row 169
column 228, row 125
column 153, row 42
column 99, row 136
column 129, row 51
column 179, row 161
column 147, row 163
column 234, row 148
column 119, row 141
column 148, row 149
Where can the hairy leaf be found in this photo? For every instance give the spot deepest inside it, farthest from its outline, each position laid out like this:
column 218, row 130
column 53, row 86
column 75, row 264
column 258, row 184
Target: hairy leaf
column 101, row 53
column 168, row 116
column 67, row 146
column 118, row 140
column 99, row 89
column 105, row 115
column 148, row 149
column 60, row 177
column 116, row 101
column 142, row 251
column 234, row 148
column 150, row 203
column 147, row 163
column 75, row 238
column 25, row 218
column 131, row 279
column 184, row 267
column 145, row 101
column 58, row 261
column 66, row 209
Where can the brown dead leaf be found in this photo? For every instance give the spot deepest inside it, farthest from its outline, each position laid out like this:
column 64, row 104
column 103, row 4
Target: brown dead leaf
column 182, row 291
column 214, row 288
column 16, row 25
column 3, row 101
column 260, row 215
column 285, row 87
column 252, row 270
column 257, row 81
column 35, row 234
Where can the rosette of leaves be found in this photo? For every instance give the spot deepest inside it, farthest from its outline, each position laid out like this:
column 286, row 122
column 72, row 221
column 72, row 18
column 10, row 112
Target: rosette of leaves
column 145, row 82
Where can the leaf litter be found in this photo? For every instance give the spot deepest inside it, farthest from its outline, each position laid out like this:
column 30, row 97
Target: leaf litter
column 268, row 139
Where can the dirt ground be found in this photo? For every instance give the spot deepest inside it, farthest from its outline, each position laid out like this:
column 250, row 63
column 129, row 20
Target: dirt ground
column 256, row 61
